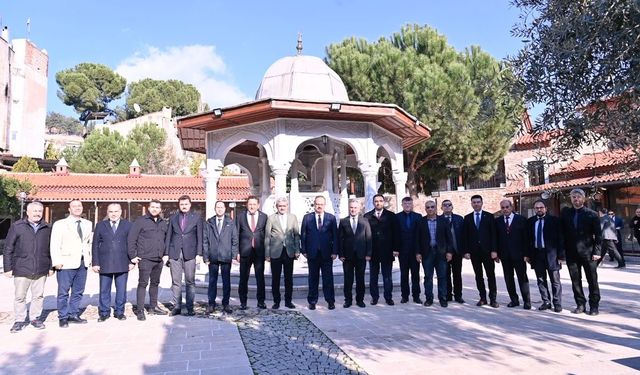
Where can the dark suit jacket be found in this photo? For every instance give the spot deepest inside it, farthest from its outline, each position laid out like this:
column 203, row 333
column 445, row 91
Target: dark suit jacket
column 221, row 247
column 358, row 245
column 383, row 235
column 316, row 242
column 110, row 250
column 245, row 235
column 443, row 237
column 481, row 240
column 189, row 241
column 408, row 238
column 583, row 241
column 457, row 222
column 553, row 242
column 513, row 245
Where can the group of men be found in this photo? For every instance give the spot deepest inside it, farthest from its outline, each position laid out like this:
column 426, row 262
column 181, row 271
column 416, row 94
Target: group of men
column 35, row 250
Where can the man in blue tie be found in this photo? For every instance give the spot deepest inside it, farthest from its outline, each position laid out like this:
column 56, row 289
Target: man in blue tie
column 408, row 229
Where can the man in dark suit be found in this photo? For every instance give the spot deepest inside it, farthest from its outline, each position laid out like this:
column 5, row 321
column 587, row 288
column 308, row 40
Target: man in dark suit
column 434, row 252
column 545, row 253
column 383, row 234
column 183, row 245
column 512, row 248
column 582, row 239
column 319, row 244
column 408, row 229
column 282, row 247
column 355, row 248
column 251, row 225
column 220, row 248
column 454, row 267
column 110, row 258
column 480, row 245
column 619, row 224
column 609, row 238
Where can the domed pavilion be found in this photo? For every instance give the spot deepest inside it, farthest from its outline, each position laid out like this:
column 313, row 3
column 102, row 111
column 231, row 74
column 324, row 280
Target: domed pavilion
column 303, row 131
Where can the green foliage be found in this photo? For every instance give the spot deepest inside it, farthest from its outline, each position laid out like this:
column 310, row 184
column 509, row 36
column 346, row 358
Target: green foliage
column 89, row 86
column 152, row 95
column 9, row 190
column 50, row 153
column 576, row 54
column 64, row 124
column 26, row 165
column 194, row 167
column 471, row 101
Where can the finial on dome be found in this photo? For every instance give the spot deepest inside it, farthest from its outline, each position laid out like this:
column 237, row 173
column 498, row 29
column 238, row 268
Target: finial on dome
column 299, row 46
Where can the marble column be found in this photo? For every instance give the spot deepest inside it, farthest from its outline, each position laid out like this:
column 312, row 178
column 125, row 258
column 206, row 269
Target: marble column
column 211, row 177
column 400, row 181
column 370, row 174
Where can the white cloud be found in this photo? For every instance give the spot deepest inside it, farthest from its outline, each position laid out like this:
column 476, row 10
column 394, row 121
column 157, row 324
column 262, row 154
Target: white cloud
column 199, row 65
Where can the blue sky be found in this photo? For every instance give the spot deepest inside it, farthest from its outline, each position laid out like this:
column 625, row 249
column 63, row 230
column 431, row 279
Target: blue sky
column 224, row 47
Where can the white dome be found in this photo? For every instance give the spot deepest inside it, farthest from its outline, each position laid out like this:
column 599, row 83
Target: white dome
column 304, row 78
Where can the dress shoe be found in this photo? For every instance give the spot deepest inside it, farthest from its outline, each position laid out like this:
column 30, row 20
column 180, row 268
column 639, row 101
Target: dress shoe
column 210, row 309
column 227, row 309
column 18, row 326
column 332, row 306
column 404, row 300
column 120, row 317
column 63, row 323
column 175, row 311
column 444, row 303
column 361, row 304
column 262, row 305
column 578, row 310
column 428, row 303
column 243, row 306
column 140, row 316
column 527, row 305
column 494, row 304
column 545, row 306
column 513, row 304
column 390, row 302
column 449, row 298
column 190, row 312
column 276, row 306
column 417, row 300
column 289, row 305
column 593, row 311
column 102, row 318
column 312, row 306
column 459, row 300
column 374, row 301
column 557, row 308
column 156, row 311
column 621, row 265
column 76, row 319
column 481, row 303
column 346, row 305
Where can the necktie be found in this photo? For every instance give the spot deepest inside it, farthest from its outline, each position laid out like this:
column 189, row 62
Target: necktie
column 183, row 222
column 449, row 218
column 319, row 222
column 453, row 234
column 408, row 219
column 539, row 234
column 113, row 226
column 354, row 225
column 219, row 225
column 506, row 222
column 378, row 214
column 253, row 229
column 477, row 220
column 575, row 220
column 79, row 229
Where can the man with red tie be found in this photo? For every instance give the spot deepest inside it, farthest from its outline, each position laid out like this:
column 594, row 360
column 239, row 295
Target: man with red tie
column 251, row 229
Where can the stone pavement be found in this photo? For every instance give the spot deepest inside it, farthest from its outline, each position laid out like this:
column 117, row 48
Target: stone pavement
column 406, row 338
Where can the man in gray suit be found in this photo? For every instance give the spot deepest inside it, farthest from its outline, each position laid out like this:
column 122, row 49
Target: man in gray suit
column 281, row 248
column 354, row 249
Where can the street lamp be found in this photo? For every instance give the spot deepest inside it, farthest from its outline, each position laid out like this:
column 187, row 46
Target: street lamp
column 23, row 197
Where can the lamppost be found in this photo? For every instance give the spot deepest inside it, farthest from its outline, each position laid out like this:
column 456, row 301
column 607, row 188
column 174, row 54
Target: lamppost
column 23, row 197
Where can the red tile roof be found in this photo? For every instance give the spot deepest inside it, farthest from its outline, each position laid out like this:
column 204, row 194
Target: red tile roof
column 607, row 179
column 121, row 187
column 534, row 139
column 600, row 161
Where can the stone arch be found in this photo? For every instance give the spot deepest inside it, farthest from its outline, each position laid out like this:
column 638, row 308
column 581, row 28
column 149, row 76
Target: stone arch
column 231, row 140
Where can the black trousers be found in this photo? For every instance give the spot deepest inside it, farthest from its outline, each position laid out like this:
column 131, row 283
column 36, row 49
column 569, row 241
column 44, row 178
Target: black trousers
column 479, row 260
column 520, row 268
column 409, row 264
column 277, row 265
column 608, row 246
column 375, row 267
column 212, row 292
column 590, row 267
column 556, row 286
column 454, row 271
column 258, row 269
column 150, row 271
column 351, row 266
